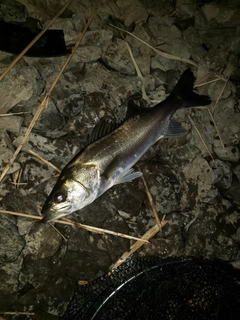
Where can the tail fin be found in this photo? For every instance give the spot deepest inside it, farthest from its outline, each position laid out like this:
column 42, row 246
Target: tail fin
column 184, row 90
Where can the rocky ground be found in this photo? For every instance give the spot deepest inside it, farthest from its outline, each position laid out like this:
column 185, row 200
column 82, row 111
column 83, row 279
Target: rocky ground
column 198, row 190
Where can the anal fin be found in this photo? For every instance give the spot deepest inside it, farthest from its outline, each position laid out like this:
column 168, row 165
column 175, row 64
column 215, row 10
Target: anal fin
column 174, row 129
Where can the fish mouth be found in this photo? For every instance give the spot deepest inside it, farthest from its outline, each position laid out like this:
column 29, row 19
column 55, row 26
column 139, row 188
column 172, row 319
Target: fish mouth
column 55, row 215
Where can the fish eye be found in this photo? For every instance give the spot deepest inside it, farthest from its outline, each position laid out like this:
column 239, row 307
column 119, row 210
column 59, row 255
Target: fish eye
column 60, row 197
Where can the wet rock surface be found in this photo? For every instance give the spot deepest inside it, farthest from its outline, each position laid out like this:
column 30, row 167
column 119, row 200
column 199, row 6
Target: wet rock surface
column 200, row 196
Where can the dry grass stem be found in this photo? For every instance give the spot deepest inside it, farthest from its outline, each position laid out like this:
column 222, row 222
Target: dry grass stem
column 150, row 199
column 144, row 95
column 34, row 41
column 200, row 84
column 201, row 80
column 216, row 127
column 17, row 178
column 72, row 223
column 12, row 114
column 42, row 106
column 148, row 235
column 17, row 184
column 61, row 235
column 20, row 214
column 44, row 103
column 42, row 159
column 82, row 282
column 200, row 136
column 103, row 231
column 223, row 88
column 11, row 313
column 161, row 53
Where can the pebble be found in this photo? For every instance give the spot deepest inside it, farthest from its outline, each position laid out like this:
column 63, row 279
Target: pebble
column 222, row 174
column 230, row 153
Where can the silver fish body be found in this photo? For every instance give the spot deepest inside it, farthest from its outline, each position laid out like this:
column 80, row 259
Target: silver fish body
column 109, row 160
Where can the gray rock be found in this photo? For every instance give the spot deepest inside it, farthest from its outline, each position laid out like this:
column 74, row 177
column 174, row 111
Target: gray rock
column 11, row 123
column 13, row 11
column 89, row 53
column 215, row 89
column 184, row 155
column 43, row 146
column 129, row 12
column 117, row 57
column 227, row 120
column 211, row 196
column 9, row 238
column 72, row 105
column 9, row 281
column 115, row 246
column 236, row 171
column 202, row 229
column 200, row 20
column 98, row 37
column 5, row 155
column 196, row 180
column 43, row 241
column 194, row 44
column 233, row 194
column 231, row 153
column 163, row 247
column 67, row 25
column 97, row 79
column 222, row 174
column 50, row 118
column 34, row 172
column 235, row 45
column 32, row 76
column 165, row 187
column 65, row 87
column 159, row 62
column 22, row 91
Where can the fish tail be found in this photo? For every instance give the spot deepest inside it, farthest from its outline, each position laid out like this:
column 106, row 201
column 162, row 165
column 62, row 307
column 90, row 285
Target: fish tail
column 184, row 91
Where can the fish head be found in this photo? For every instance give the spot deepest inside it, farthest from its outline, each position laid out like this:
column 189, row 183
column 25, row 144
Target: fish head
column 71, row 194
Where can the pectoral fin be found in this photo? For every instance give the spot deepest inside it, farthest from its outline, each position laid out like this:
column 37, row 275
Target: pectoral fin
column 115, row 169
column 128, row 176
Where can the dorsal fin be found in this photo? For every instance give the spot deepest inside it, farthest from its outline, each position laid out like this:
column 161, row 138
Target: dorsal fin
column 108, row 124
column 133, row 109
column 105, row 125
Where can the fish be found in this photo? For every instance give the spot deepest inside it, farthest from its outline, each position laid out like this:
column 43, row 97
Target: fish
column 109, row 160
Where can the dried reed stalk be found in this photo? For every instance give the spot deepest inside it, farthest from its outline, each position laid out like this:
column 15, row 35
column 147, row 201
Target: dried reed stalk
column 80, row 225
column 12, row 114
column 214, row 107
column 200, row 136
column 216, row 127
column 144, row 95
column 17, row 313
column 102, row 231
column 161, row 53
column 147, row 236
column 150, row 199
column 42, row 159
